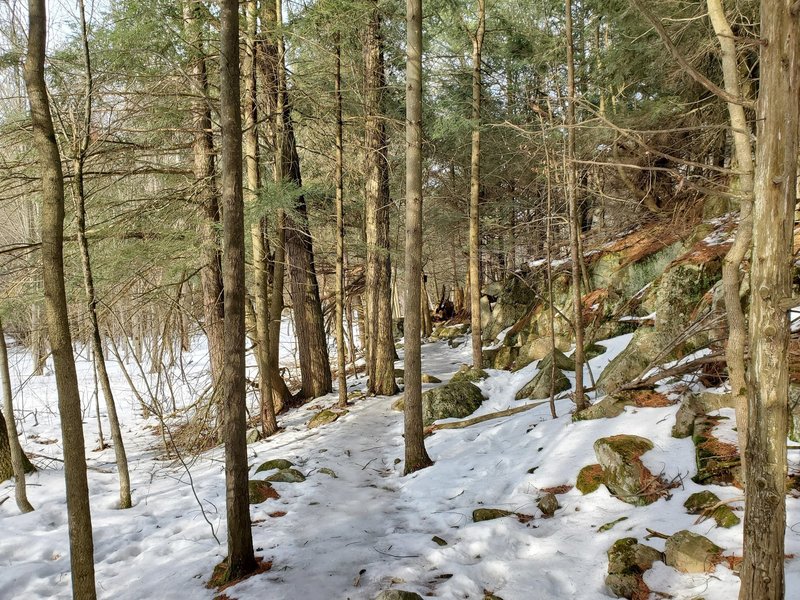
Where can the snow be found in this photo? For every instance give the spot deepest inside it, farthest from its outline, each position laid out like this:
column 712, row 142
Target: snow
column 370, row 528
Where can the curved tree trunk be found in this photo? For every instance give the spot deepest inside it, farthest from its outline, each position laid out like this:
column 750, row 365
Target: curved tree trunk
column 69, row 401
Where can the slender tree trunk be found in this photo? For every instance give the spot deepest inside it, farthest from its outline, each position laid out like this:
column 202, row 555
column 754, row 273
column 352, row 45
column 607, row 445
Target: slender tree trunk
column 269, row 424
column 379, row 339
column 19, row 462
column 206, row 193
column 341, row 350
column 69, row 401
column 241, row 560
column 731, row 267
column 778, row 116
column 574, row 215
column 415, row 453
column 79, row 195
column 475, row 191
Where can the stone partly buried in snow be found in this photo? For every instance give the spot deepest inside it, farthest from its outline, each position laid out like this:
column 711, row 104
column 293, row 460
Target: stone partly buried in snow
column 324, row 417
column 287, row 476
column 691, row 553
column 426, row 378
column 614, row 405
column 260, row 491
column 452, row 400
column 627, row 561
column 623, row 472
column 397, row 595
column 548, row 504
column 275, row 463
column 489, row 514
column 590, row 478
column 718, row 462
column 703, row 503
column 470, row 374
column 697, row 405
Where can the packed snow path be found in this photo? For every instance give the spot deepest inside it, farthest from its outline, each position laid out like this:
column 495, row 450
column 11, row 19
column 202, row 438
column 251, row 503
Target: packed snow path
column 369, row 528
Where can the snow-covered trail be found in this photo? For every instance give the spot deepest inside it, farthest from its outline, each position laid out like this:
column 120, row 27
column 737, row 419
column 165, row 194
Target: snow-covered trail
column 369, row 528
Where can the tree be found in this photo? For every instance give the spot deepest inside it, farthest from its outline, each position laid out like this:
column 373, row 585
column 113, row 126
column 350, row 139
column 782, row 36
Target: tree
column 241, row 560
column 778, row 117
column 69, row 401
column 340, row 345
column 475, row 190
column 415, row 454
column 19, row 462
column 380, row 341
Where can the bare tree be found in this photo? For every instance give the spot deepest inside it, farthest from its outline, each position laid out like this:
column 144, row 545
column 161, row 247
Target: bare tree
column 778, row 116
column 241, row 560
column 69, row 401
column 416, row 455
column 340, row 344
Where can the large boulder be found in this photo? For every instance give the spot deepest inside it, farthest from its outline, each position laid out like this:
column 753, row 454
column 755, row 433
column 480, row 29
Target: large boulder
column 452, row 400
column 629, row 364
column 691, row 553
column 625, row 475
column 627, row 561
column 538, row 388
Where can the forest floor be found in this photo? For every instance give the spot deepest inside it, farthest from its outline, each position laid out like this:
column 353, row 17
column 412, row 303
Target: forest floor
column 369, row 528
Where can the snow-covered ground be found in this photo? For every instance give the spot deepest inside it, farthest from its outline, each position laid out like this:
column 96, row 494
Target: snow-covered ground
column 369, row 528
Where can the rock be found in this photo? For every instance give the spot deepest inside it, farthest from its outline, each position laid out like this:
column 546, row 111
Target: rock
column 399, row 373
column 691, row 553
column 439, row 541
column 397, row 595
column 328, row 472
column 684, row 419
column 538, row 388
column 701, row 502
column 625, row 475
column 275, row 463
column 610, row 525
column 607, row 408
column 452, row 400
column 717, row 462
column 324, row 417
column 548, row 504
column 562, row 361
column 488, row 514
column 449, row 332
column 470, row 374
column 253, row 436
column 399, row 405
column 697, row 405
column 590, row 478
column 259, row 491
column 631, row 362
column 430, row 379
column 627, row 561
column 287, row 476
column 593, row 351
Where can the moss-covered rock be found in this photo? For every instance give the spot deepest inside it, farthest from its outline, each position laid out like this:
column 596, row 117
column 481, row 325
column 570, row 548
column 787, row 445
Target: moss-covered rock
column 324, row 417
column 399, row 405
column 489, row 514
column 627, row 561
column 253, row 436
column 452, row 400
column 691, row 553
column 593, row 351
column 625, row 475
column 538, row 388
column 275, row 463
column 287, row 476
column 329, row 472
column 642, row 350
column 259, row 491
column 426, row 378
column 717, row 462
column 590, row 478
column 607, row 408
column 469, row 374
column 703, row 503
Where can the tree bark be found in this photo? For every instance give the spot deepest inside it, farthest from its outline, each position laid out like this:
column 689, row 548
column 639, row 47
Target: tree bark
column 269, row 424
column 79, row 195
column 19, row 462
column 205, row 188
column 778, row 116
column 574, row 215
column 241, row 560
column 415, row 454
column 475, row 191
column 380, row 341
column 731, row 266
column 69, row 401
